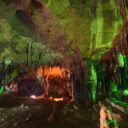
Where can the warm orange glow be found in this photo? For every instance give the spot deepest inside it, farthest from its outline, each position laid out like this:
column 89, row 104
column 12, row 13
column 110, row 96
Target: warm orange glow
column 57, row 99
column 55, row 77
column 55, row 71
column 55, row 82
column 50, row 98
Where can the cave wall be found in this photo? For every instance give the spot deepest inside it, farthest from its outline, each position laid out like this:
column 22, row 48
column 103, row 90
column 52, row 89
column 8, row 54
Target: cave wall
column 78, row 29
column 90, row 24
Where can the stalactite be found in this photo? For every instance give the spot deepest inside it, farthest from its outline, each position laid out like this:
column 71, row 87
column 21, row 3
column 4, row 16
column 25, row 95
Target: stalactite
column 97, row 28
column 116, row 25
column 92, row 82
column 122, row 10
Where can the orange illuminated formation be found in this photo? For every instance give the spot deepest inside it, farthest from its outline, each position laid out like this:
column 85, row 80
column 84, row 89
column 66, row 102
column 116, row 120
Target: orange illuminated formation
column 53, row 83
column 55, row 79
column 54, row 71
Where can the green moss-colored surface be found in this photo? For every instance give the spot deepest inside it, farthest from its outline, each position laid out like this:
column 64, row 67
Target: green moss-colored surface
column 89, row 26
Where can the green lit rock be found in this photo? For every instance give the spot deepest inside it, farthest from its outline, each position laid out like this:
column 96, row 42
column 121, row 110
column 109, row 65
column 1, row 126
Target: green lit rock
column 121, row 60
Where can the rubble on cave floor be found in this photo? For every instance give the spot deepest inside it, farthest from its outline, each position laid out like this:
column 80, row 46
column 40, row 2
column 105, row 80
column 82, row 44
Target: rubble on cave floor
column 33, row 113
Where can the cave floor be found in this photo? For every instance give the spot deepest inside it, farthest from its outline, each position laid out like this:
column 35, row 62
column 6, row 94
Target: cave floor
column 17, row 112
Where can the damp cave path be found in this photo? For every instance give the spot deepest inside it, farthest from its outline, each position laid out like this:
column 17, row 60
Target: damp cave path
column 35, row 113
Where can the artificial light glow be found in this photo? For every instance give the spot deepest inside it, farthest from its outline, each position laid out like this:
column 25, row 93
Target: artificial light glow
column 56, row 99
column 33, row 96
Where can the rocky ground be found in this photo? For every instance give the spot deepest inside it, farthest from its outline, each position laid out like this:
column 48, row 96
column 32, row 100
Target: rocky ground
column 17, row 112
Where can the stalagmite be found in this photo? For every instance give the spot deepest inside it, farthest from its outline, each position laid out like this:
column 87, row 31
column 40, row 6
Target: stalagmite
column 103, row 116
